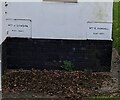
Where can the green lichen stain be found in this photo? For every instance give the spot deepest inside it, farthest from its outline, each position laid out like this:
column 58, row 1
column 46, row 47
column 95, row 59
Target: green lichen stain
column 101, row 13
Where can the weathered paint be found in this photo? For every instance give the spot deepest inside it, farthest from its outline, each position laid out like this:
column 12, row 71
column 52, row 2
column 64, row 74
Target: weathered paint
column 60, row 20
column 103, row 11
column 3, row 33
column 0, row 22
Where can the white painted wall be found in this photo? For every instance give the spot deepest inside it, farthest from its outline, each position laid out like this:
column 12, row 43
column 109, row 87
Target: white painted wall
column 3, row 33
column 60, row 20
column 0, row 22
column 57, row 20
column 0, row 43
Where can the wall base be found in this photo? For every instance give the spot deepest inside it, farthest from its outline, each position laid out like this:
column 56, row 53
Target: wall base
column 94, row 55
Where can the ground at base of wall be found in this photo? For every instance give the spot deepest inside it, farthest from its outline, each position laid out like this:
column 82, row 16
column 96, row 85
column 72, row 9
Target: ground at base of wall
column 57, row 84
column 62, row 84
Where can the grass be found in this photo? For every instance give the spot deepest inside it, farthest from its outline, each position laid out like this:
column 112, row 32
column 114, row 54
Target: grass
column 116, row 26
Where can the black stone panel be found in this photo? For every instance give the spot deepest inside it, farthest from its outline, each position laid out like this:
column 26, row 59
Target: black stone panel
column 48, row 54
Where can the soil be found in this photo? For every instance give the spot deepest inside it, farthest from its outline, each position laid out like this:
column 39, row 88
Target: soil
column 62, row 84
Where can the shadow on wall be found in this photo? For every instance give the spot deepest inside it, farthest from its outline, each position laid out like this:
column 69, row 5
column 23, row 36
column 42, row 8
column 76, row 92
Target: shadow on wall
column 0, row 54
column 0, row 69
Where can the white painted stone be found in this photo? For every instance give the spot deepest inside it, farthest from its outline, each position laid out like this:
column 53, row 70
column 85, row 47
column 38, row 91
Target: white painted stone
column 62, row 20
column 0, row 23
